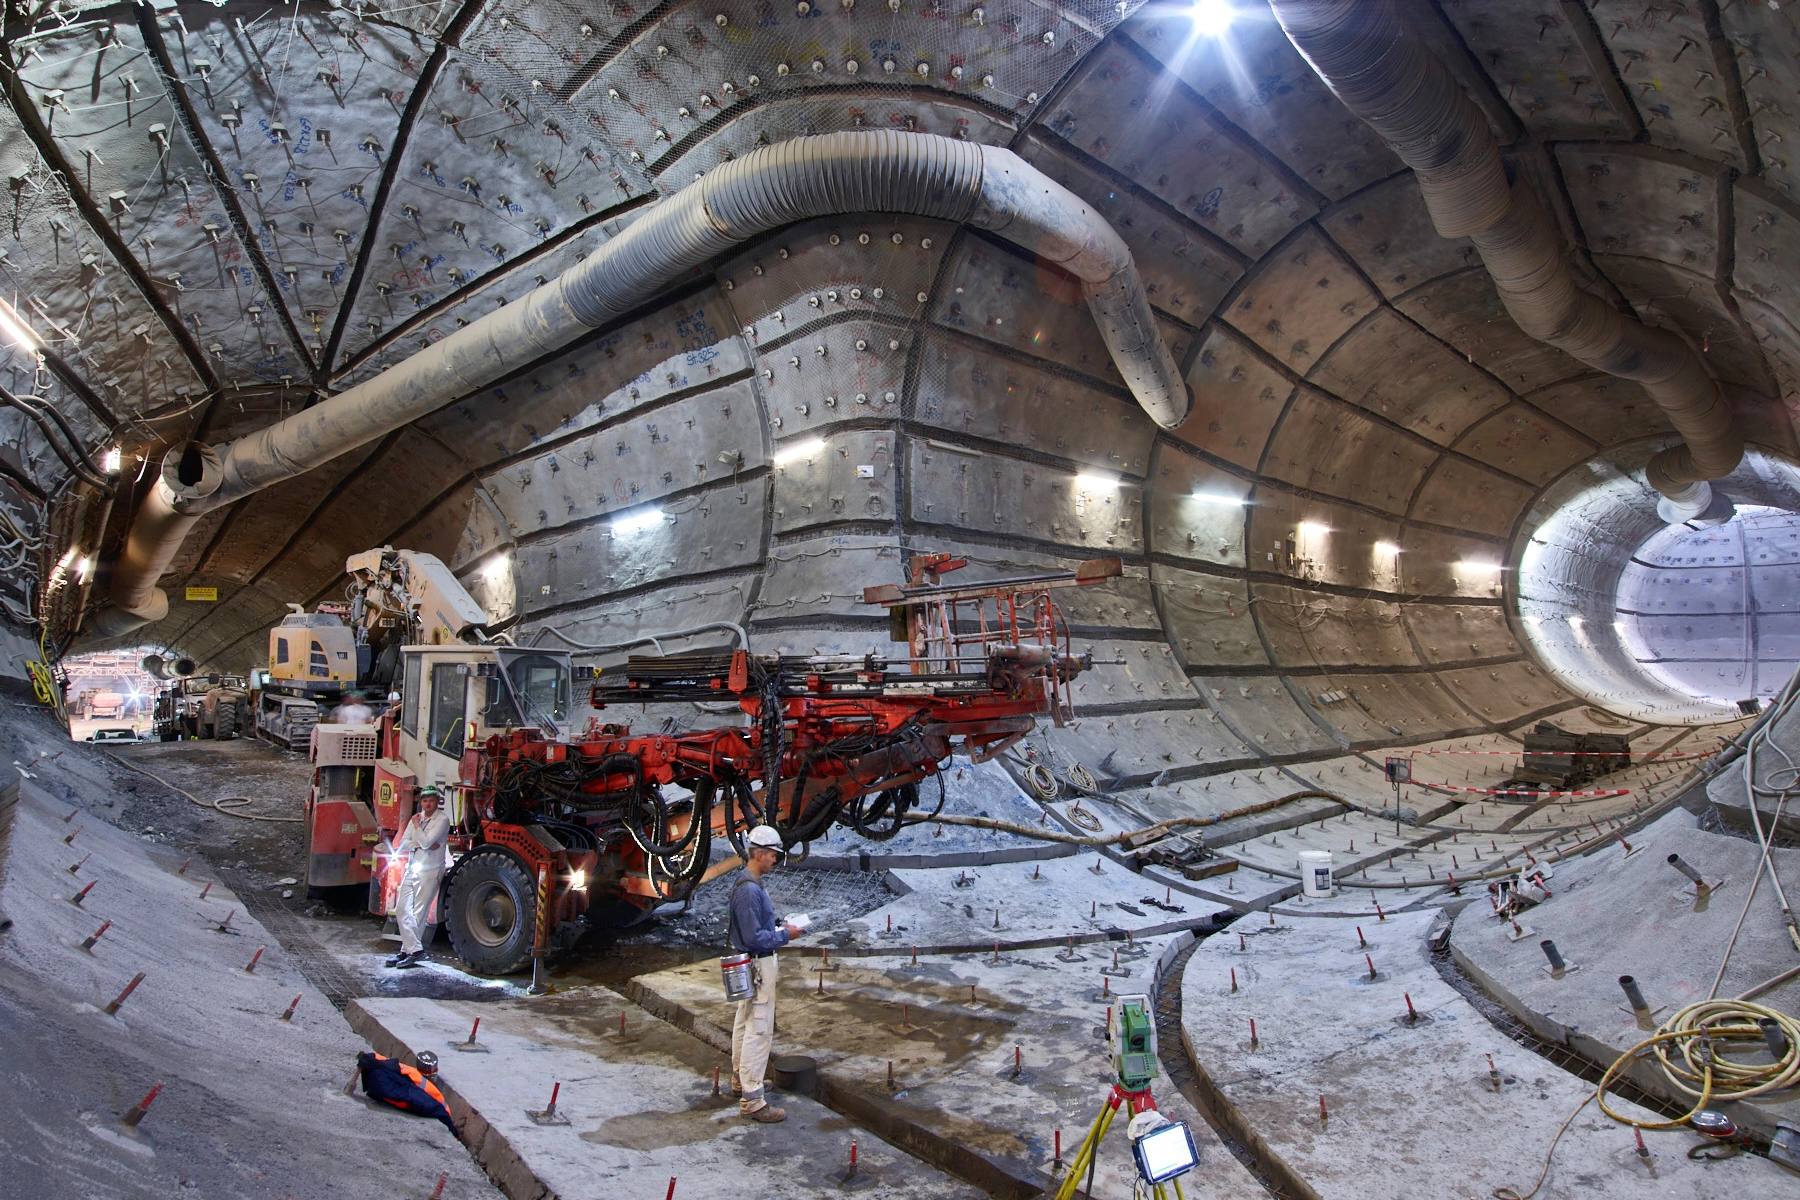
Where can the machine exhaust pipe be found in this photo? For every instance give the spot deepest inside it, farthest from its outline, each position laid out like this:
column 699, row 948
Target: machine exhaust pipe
column 1389, row 78
column 877, row 170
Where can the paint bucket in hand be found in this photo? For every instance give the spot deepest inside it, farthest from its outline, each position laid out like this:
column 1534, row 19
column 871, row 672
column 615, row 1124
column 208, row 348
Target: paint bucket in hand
column 737, row 972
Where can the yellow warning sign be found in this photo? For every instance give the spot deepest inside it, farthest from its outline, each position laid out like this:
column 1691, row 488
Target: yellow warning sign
column 200, row 593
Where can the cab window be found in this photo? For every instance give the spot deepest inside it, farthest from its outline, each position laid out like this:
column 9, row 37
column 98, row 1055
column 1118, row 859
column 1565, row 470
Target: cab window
column 409, row 709
column 449, row 685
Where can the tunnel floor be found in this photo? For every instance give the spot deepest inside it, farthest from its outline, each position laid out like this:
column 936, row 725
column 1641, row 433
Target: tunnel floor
column 955, row 1012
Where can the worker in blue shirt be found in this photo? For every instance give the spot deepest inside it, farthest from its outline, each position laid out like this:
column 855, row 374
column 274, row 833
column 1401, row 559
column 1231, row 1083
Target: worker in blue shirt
column 754, row 931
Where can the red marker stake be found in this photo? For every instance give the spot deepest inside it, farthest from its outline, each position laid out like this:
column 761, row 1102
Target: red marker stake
column 206, row 889
column 120, row 998
column 1253, row 1031
column 671, row 1195
column 1323, row 1115
column 437, row 1193
column 250, row 967
column 292, row 1005
column 1412, row 1014
column 76, row 867
column 184, row 866
column 78, row 897
column 88, row 942
column 1234, row 979
column 1371, row 963
column 474, row 1028
column 1059, row 1148
column 136, row 1112
column 1360, row 940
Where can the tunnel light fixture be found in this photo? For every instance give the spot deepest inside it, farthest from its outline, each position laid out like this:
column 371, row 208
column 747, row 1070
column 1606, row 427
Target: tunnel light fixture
column 113, row 460
column 1474, row 565
column 497, row 569
column 1220, row 498
column 1090, row 482
column 638, row 522
column 15, row 330
column 83, row 568
column 798, row 451
column 1314, row 529
column 1212, row 17
column 1386, row 548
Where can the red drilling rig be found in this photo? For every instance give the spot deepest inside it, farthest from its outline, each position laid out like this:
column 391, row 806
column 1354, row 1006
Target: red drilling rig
column 546, row 825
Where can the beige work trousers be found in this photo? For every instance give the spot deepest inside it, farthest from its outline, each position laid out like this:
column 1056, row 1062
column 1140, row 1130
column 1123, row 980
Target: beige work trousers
column 753, row 1035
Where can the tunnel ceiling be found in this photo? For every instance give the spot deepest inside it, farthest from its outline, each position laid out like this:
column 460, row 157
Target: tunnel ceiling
column 220, row 214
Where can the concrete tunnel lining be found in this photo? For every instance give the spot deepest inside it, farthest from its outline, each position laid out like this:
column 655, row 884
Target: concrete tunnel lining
column 1335, row 558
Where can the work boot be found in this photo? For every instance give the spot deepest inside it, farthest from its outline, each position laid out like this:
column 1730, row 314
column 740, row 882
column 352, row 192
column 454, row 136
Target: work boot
column 409, row 961
column 768, row 1114
column 397, row 959
column 737, row 1085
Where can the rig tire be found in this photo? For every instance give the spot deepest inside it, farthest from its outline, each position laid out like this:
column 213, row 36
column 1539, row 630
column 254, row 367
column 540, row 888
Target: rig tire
column 491, row 912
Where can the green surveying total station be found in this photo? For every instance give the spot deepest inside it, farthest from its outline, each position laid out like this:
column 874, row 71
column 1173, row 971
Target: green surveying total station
column 1132, row 1032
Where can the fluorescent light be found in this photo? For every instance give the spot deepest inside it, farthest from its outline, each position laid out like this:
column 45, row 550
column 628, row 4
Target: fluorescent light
column 1212, row 17
column 804, row 449
column 496, row 569
column 16, row 331
column 82, row 565
column 1216, row 498
column 1386, row 548
column 638, row 522
column 1313, row 529
column 1096, row 483
column 1575, row 622
column 112, row 461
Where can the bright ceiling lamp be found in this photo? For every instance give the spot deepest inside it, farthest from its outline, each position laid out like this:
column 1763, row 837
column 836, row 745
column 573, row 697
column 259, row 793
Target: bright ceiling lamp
column 1218, row 498
column 15, row 330
column 1212, row 17
column 497, row 569
column 1314, row 529
column 1469, row 564
column 638, row 522
column 1386, row 548
column 111, row 463
column 799, row 450
column 1096, row 483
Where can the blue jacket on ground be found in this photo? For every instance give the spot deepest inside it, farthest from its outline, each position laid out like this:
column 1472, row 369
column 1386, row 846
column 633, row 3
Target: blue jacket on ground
column 753, row 926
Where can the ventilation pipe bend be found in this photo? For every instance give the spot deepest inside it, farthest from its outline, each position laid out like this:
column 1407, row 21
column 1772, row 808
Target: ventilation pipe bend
column 851, row 172
column 1406, row 94
column 190, row 473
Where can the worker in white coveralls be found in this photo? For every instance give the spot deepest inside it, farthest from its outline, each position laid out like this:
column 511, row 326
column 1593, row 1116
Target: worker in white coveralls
column 754, row 931
column 423, row 843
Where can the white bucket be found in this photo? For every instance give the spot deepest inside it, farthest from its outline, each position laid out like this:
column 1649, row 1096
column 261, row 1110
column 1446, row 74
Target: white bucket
column 1315, row 872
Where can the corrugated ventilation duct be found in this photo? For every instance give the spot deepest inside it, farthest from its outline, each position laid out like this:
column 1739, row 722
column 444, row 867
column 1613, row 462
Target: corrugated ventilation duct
column 1394, row 83
column 887, row 171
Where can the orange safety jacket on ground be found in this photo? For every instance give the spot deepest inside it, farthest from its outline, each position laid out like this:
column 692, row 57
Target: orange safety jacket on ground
column 404, row 1087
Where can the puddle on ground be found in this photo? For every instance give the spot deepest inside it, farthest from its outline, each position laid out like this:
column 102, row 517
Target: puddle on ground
column 654, row 1130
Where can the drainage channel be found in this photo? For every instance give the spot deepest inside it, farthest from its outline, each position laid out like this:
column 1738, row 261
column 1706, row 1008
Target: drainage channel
column 315, row 962
column 1172, row 1051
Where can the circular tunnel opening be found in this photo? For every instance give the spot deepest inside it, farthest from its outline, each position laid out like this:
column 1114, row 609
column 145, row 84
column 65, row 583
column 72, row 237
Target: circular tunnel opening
column 1714, row 613
column 1674, row 624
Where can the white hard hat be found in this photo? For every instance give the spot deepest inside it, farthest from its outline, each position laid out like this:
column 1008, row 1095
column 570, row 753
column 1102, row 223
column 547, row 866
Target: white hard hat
column 765, row 837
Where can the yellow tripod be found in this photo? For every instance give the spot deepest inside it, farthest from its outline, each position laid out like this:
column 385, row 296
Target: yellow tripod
column 1083, row 1162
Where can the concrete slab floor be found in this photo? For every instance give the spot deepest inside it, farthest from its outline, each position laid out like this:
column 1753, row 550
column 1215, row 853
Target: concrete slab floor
column 953, row 1030
column 1612, row 915
column 1410, row 1107
column 638, row 1107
